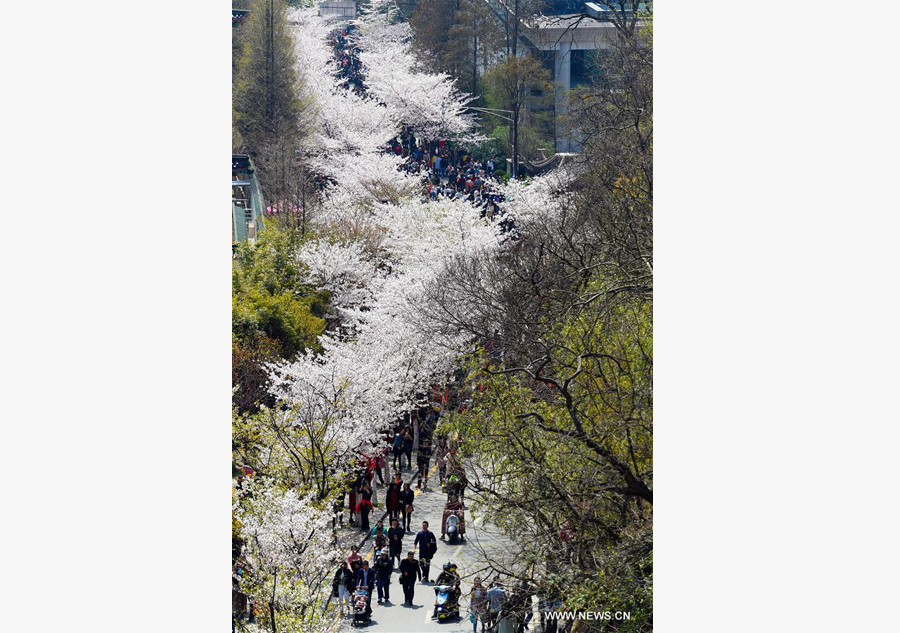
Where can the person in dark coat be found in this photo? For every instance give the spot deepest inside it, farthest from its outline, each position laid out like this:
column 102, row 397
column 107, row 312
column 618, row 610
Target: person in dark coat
column 409, row 573
column 398, row 450
column 344, row 583
column 407, row 448
column 395, row 540
column 422, row 462
column 365, row 577
column 365, row 491
column 392, row 498
column 383, row 570
column 352, row 502
column 338, row 510
column 407, row 496
column 427, row 544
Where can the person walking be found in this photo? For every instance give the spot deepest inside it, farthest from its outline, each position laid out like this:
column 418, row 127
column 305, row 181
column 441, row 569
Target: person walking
column 407, row 448
column 427, row 544
column 407, row 496
column 343, row 584
column 383, row 570
column 353, row 501
column 364, row 507
column 395, row 540
column 422, row 460
column 365, row 490
column 371, row 468
column 521, row 606
column 398, row 451
column 338, row 510
column 365, row 577
column 392, row 497
column 496, row 602
column 440, row 458
column 381, row 468
column 409, row 573
column 380, row 537
column 477, row 602
column 354, row 555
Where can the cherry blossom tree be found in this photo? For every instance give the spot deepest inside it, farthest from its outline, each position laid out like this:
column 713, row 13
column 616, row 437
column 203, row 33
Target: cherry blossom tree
column 377, row 246
column 427, row 102
column 288, row 545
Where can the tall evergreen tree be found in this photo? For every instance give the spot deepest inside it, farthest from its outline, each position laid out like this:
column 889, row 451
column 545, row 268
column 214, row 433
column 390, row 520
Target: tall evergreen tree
column 473, row 39
column 270, row 115
column 265, row 95
column 431, row 24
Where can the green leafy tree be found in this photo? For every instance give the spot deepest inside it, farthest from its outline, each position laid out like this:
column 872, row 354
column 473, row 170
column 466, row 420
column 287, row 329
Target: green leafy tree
column 519, row 84
column 560, row 419
column 275, row 313
column 431, row 22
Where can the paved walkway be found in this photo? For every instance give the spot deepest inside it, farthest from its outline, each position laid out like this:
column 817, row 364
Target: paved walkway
column 393, row 616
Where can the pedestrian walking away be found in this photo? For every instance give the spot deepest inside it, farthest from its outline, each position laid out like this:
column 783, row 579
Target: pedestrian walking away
column 364, row 507
column 398, row 451
column 338, row 511
column 440, row 458
column 380, row 467
column 407, row 496
column 496, row 602
column 422, row 460
column 392, row 497
column 408, row 448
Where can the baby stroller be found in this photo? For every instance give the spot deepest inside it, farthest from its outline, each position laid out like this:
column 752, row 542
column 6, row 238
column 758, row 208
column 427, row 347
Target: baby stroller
column 361, row 612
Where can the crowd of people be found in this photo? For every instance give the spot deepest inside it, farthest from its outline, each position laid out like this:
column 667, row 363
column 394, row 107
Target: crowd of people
column 349, row 64
column 373, row 466
column 399, row 498
column 447, row 171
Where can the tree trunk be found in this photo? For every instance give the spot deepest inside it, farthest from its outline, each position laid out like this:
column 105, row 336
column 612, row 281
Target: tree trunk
column 515, row 33
column 272, row 601
column 515, row 156
column 474, row 60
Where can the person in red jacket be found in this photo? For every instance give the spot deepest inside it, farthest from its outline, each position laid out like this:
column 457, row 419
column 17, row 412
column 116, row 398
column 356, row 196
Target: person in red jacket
column 364, row 507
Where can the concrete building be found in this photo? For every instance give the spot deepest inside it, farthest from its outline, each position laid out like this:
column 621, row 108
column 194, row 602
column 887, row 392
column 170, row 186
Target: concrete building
column 571, row 41
column 565, row 37
column 344, row 9
column 246, row 199
column 238, row 16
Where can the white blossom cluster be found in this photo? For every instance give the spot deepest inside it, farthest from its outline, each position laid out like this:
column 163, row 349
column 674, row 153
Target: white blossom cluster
column 428, row 102
column 382, row 245
column 289, row 543
column 381, row 249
